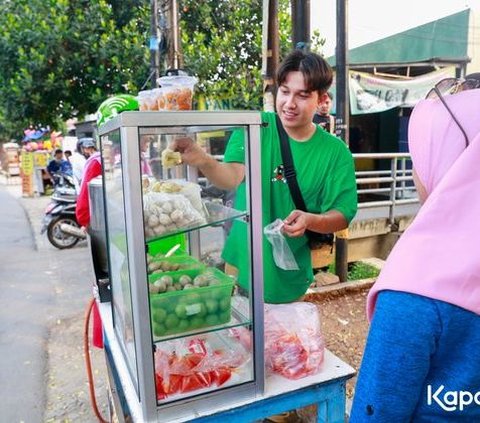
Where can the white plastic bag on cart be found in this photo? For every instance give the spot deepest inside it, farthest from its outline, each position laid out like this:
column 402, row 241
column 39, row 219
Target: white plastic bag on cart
column 165, row 212
column 282, row 254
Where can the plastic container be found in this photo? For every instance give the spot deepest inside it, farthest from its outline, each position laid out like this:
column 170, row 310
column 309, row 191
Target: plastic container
column 150, row 99
column 177, row 92
column 186, row 264
column 177, row 312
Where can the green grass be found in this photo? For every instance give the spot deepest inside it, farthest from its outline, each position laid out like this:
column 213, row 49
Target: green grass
column 358, row 270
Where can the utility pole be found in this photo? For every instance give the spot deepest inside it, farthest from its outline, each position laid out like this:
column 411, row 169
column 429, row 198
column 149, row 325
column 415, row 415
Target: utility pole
column 270, row 52
column 342, row 121
column 154, row 41
column 174, row 50
column 301, row 24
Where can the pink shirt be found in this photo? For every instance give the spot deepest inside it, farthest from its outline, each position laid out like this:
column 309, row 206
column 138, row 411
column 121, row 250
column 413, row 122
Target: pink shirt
column 438, row 256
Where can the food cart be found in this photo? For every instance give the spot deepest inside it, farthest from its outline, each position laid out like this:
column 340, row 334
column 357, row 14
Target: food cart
column 182, row 343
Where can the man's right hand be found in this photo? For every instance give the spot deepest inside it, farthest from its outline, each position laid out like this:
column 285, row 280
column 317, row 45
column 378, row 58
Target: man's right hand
column 223, row 175
column 192, row 153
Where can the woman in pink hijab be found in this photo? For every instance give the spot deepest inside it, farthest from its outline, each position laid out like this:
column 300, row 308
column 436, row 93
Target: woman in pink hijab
column 421, row 360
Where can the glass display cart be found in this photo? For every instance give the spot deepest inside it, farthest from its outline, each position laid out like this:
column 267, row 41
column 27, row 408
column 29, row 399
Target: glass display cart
column 180, row 334
column 183, row 341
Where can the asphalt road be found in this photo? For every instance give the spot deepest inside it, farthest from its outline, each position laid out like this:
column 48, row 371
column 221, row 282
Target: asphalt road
column 41, row 288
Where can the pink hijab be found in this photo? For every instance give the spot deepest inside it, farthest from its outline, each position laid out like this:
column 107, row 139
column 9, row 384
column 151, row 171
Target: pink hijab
column 438, row 256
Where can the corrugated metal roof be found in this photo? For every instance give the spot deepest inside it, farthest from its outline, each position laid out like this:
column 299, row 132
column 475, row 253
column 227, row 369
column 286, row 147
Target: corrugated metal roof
column 443, row 40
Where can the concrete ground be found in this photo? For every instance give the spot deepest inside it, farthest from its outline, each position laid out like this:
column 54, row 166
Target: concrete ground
column 44, row 295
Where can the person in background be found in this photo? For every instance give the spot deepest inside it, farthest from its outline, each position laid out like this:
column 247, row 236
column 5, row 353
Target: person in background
column 323, row 117
column 58, row 165
column 78, row 163
column 145, row 141
column 421, row 359
column 88, row 147
column 68, row 154
column 93, row 168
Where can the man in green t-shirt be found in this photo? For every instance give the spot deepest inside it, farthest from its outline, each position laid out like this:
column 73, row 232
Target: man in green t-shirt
column 325, row 173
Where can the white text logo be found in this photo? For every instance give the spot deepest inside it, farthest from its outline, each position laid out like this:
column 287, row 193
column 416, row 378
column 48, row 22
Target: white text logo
column 452, row 400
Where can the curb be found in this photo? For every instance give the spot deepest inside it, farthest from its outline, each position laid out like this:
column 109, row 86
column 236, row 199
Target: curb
column 340, row 288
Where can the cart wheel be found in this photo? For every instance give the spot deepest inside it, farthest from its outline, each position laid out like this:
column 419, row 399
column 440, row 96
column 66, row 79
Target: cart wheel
column 60, row 239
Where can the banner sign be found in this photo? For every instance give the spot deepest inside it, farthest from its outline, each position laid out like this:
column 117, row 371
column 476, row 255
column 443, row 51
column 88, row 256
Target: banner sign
column 27, row 163
column 40, row 159
column 372, row 94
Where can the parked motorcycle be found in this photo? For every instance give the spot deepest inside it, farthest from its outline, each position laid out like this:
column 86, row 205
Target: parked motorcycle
column 60, row 222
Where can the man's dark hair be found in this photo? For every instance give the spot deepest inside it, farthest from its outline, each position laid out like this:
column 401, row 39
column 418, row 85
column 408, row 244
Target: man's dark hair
column 58, row 151
column 68, row 153
column 330, row 95
column 317, row 72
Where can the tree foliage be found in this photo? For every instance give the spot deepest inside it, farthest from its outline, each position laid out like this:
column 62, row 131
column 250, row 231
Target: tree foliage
column 62, row 58
column 222, row 46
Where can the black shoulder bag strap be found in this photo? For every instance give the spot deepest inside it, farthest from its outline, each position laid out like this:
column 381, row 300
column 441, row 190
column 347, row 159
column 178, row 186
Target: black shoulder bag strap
column 289, row 168
column 291, row 177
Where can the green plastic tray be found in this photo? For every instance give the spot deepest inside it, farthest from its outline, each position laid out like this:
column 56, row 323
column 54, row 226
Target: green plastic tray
column 177, row 312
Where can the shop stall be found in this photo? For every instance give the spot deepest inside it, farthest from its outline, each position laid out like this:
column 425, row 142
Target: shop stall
column 12, row 159
column 183, row 342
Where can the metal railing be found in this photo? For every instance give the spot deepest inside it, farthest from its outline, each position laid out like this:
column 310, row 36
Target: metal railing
column 390, row 187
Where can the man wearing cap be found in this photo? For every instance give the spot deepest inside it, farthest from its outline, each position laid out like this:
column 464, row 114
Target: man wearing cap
column 92, row 169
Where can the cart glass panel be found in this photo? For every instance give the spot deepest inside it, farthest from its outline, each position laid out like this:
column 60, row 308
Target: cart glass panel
column 198, row 256
column 117, row 248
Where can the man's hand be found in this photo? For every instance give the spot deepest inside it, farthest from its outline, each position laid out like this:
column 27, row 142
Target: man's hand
column 299, row 221
column 192, row 153
column 296, row 223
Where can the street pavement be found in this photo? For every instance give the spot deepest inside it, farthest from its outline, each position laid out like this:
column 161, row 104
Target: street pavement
column 44, row 292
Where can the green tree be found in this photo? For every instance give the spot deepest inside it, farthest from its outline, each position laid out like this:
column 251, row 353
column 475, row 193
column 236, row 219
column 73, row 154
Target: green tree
column 222, row 46
column 61, row 58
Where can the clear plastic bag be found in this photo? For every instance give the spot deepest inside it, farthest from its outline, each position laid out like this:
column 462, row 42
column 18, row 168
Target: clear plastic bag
column 165, row 212
column 282, row 254
column 294, row 345
column 190, row 364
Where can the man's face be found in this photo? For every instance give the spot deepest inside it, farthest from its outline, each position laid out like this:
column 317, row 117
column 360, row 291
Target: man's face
column 58, row 157
column 325, row 106
column 295, row 105
column 88, row 151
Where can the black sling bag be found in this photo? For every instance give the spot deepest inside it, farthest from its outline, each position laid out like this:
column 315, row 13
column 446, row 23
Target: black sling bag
column 315, row 239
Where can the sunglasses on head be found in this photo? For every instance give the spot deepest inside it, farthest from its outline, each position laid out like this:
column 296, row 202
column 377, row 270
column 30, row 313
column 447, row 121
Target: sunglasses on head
column 450, row 86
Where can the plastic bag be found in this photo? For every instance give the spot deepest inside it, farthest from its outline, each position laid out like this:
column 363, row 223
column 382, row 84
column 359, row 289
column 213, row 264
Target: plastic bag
column 282, row 254
column 294, row 346
column 189, row 364
column 164, row 213
column 190, row 190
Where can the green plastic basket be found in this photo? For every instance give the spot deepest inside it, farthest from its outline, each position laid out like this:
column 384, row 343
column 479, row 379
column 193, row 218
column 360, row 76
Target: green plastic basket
column 177, row 312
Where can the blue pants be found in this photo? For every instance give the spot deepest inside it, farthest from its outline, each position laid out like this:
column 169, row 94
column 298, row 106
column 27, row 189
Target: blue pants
column 415, row 347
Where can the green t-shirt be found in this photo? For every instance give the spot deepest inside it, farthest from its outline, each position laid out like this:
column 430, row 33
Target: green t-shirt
column 326, row 176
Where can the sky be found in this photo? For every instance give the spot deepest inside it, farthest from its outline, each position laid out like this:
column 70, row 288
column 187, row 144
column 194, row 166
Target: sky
column 370, row 20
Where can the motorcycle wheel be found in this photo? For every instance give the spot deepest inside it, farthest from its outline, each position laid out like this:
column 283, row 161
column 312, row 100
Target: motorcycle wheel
column 57, row 237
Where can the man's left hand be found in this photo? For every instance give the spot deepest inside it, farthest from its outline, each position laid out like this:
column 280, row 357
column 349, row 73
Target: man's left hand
column 295, row 224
